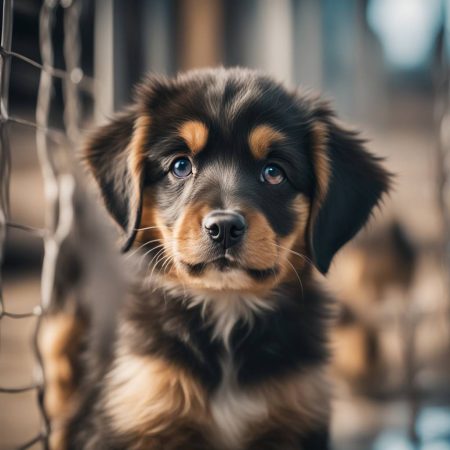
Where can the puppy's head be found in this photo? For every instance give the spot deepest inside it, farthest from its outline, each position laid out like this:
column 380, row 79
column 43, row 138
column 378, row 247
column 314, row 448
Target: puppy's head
column 230, row 181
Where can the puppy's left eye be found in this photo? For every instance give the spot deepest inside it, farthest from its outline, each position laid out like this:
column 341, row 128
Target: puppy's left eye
column 272, row 174
column 182, row 167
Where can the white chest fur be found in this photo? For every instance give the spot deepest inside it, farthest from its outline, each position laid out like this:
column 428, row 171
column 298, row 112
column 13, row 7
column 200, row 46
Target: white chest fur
column 227, row 309
column 234, row 409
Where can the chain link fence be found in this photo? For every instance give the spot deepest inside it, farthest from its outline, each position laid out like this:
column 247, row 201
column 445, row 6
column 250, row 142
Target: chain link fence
column 55, row 152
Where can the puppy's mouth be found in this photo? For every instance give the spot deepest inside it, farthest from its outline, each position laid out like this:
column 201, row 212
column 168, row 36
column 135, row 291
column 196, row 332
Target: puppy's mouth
column 226, row 264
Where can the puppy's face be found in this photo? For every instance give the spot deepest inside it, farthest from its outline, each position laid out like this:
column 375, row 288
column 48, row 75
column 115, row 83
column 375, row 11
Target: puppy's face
column 229, row 181
column 229, row 200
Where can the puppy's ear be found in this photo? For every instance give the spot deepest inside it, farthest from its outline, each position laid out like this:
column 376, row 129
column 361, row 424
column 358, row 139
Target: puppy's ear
column 116, row 155
column 350, row 182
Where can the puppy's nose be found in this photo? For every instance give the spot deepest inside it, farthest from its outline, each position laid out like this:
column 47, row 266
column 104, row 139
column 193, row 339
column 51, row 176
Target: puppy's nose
column 225, row 227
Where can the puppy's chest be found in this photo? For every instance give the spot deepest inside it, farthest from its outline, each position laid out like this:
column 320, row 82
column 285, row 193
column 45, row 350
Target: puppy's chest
column 234, row 410
column 146, row 395
column 157, row 394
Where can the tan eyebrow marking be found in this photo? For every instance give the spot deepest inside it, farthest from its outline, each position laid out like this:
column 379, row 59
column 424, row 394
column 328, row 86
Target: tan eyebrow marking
column 260, row 139
column 195, row 134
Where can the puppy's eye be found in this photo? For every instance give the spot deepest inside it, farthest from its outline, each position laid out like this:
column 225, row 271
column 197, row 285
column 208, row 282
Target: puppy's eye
column 272, row 174
column 181, row 167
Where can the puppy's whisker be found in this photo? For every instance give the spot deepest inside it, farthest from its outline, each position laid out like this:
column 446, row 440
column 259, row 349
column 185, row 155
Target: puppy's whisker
column 153, row 249
column 136, row 250
column 275, row 275
column 180, row 278
column 151, row 265
column 147, row 228
column 163, row 241
column 157, row 257
column 144, row 245
column 143, row 257
column 164, row 262
column 305, row 258
column 169, row 260
column 169, row 241
column 298, row 276
column 157, row 240
column 159, row 248
column 162, row 259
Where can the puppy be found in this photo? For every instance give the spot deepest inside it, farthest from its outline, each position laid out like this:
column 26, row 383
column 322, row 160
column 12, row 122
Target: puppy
column 234, row 189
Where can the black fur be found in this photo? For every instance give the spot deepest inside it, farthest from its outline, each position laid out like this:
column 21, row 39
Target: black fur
column 291, row 337
column 356, row 185
column 108, row 162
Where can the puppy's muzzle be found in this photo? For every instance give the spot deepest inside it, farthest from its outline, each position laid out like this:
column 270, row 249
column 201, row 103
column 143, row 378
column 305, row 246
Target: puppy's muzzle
column 225, row 228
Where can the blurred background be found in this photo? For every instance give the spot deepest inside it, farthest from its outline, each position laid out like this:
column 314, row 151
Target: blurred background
column 384, row 65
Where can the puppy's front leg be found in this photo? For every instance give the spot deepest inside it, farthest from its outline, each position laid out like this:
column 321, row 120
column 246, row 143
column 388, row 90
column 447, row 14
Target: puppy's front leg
column 60, row 340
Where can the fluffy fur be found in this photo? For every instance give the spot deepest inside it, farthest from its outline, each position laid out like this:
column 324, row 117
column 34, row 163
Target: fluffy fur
column 218, row 348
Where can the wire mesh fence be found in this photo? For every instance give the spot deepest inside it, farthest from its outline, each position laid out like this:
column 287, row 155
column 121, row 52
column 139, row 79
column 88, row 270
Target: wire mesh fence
column 54, row 148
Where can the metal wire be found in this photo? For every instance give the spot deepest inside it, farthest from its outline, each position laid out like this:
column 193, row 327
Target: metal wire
column 84, row 82
column 72, row 52
column 5, row 155
column 54, row 158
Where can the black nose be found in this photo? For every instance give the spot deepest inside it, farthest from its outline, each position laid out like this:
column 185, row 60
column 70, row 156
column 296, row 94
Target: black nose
column 225, row 227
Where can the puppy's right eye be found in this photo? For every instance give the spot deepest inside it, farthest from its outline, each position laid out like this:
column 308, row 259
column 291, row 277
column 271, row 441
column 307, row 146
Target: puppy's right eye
column 182, row 167
column 272, row 174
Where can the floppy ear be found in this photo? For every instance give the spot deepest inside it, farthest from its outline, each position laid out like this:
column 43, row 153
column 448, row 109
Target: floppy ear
column 350, row 182
column 116, row 155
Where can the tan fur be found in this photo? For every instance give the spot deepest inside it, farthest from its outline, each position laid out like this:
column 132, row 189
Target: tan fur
column 187, row 232
column 260, row 251
column 152, row 234
column 138, row 144
column 302, row 208
column 294, row 403
column 148, row 230
column 293, row 255
column 136, row 155
column 59, row 341
column 261, row 138
column 186, row 245
column 146, row 395
column 261, row 248
column 297, row 404
column 195, row 134
column 322, row 169
column 150, row 397
column 322, row 172
column 301, row 400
